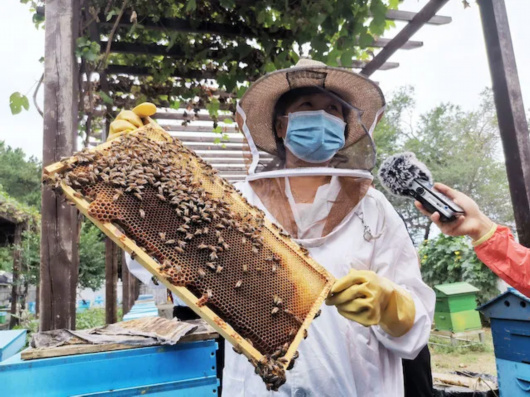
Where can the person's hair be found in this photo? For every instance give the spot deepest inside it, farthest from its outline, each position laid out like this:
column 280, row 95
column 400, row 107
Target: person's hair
column 280, row 109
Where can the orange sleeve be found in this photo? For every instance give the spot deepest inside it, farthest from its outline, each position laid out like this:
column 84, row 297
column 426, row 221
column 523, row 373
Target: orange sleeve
column 507, row 259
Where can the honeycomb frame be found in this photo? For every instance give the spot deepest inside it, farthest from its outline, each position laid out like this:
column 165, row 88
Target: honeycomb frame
column 156, row 133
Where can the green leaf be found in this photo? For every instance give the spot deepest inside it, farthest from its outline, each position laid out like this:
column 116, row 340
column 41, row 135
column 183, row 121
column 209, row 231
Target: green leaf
column 241, row 91
column 347, row 57
column 365, row 39
column 107, row 99
column 218, row 130
column 217, row 141
column 111, row 14
column 228, row 121
column 175, row 105
column 17, row 101
column 227, row 4
column 191, row 6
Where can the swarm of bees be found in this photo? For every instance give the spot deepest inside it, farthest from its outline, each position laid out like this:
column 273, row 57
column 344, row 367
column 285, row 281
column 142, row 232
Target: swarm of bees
column 140, row 169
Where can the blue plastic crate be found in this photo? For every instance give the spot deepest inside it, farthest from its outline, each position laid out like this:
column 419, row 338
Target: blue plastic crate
column 11, row 342
column 513, row 378
column 82, row 305
column 185, row 369
column 31, row 307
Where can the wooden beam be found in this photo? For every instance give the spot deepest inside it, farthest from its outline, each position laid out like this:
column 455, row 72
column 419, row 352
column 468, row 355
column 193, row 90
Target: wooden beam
column 407, row 16
column 187, row 135
column 111, row 280
column 409, row 45
column 59, row 256
column 191, row 116
column 17, row 240
column 420, row 19
column 127, row 286
column 144, row 71
column 513, row 125
column 201, row 128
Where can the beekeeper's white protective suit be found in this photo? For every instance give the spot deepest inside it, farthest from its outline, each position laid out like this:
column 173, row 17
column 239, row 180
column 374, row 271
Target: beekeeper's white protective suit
column 346, row 225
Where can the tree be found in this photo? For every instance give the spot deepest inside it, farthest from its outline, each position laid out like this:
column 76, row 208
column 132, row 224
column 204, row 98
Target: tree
column 20, row 177
column 91, row 257
column 462, row 149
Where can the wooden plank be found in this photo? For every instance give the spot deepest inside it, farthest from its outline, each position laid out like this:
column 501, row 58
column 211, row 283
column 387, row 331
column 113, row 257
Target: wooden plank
column 111, row 281
column 59, row 257
column 74, row 350
column 224, row 329
column 207, row 136
column 513, row 125
column 409, row 45
column 200, row 128
column 225, row 153
column 189, row 116
column 420, row 19
column 17, row 240
column 407, row 16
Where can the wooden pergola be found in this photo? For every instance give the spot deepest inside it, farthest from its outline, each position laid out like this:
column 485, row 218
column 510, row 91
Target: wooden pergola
column 59, row 243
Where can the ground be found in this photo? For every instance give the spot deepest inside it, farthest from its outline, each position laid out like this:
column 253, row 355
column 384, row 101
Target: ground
column 476, row 358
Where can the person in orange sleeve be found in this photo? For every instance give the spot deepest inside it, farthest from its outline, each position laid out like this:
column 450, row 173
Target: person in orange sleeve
column 494, row 244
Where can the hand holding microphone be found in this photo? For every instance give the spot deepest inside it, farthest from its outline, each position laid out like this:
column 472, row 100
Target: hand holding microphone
column 473, row 223
column 453, row 212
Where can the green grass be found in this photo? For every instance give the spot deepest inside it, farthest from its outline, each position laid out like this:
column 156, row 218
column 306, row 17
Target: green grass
column 92, row 318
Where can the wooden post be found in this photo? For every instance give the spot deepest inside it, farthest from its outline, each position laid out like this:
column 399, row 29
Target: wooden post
column 59, row 257
column 111, row 281
column 16, row 269
column 128, row 283
column 513, row 125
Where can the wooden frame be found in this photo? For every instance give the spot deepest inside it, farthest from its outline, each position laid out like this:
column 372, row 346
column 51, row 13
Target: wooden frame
column 182, row 292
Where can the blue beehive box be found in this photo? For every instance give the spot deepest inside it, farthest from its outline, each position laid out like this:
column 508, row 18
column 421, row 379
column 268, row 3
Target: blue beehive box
column 82, row 305
column 182, row 370
column 510, row 327
column 11, row 342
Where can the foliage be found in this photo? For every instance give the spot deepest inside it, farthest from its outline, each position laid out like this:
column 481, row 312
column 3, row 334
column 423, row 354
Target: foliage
column 462, row 149
column 20, row 213
column 451, row 259
column 30, row 257
column 91, row 257
column 20, row 177
column 17, row 101
column 93, row 318
column 6, row 259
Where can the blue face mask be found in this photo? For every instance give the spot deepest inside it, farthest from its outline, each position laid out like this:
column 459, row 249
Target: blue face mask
column 314, row 136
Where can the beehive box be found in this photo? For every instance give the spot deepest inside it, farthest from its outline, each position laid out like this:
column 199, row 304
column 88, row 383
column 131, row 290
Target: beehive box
column 195, row 233
column 455, row 307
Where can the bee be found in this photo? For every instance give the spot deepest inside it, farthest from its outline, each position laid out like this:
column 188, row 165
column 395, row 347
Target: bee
column 219, row 269
column 277, row 300
column 202, row 246
column 182, row 230
column 201, row 272
column 185, row 227
column 138, row 196
column 170, row 242
column 298, row 320
column 237, row 349
column 205, row 230
column 179, row 250
column 275, row 311
column 198, row 232
column 189, row 236
column 284, row 233
column 251, row 344
column 238, row 284
column 305, row 333
column 274, row 267
column 162, row 236
column 211, row 265
column 255, row 250
column 133, row 255
column 243, row 240
column 226, row 246
column 181, row 244
column 205, row 298
column 295, row 355
column 186, row 219
column 292, row 332
column 213, row 256
column 259, row 269
column 318, row 313
column 142, row 213
column 276, row 354
column 79, row 195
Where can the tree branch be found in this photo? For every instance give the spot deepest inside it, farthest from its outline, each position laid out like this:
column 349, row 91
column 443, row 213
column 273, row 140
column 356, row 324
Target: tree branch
column 112, row 32
column 35, row 95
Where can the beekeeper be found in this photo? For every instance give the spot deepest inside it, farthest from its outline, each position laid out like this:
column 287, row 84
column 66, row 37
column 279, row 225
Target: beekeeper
column 308, row 131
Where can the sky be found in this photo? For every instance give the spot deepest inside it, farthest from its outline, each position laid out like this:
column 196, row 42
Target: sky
column 451, row 66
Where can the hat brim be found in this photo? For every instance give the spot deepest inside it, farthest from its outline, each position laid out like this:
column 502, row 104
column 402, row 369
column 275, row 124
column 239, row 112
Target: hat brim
column 260, row 99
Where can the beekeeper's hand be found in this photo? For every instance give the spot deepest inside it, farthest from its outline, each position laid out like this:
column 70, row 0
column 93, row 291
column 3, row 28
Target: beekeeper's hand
column 130, row 120
column 369, row 299
column 473, row 224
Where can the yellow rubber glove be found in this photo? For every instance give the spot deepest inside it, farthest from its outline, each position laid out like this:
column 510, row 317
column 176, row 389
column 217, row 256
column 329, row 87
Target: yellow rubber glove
column 130, row 120
column 368, row 299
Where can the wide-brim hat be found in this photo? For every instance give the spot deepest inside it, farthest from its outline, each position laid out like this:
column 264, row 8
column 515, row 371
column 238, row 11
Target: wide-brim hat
column 358, row 91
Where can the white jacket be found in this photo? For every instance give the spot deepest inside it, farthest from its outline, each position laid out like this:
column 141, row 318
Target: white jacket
column 341, row 357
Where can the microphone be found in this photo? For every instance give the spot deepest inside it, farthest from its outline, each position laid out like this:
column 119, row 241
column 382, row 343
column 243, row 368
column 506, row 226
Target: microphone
column 404, row 175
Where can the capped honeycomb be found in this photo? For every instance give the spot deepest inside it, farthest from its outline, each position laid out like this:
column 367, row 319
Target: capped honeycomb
column 202, row 235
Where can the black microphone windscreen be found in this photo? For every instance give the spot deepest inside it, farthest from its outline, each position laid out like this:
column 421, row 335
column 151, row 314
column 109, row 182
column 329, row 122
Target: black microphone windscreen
column 398, row 171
